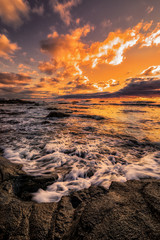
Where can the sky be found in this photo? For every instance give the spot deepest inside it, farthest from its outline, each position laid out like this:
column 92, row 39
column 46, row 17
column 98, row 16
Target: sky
column 105, row 48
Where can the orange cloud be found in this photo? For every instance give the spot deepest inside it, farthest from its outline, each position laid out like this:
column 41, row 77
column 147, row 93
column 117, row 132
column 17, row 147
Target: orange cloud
column 64, row 9
column 67, row 52
column 7, row 48
column 13, row 12
column 147, row 26
column 151, row 71
column 22, row 67
column 70, row 56
column 14, row 78
column 47, row 67
column 152, row 38
column 112, row 49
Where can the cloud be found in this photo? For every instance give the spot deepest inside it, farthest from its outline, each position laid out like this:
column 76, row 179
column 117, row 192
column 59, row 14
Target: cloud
column 149, row 9
column 147, row 25
column 7, row 48
column 135, row 87
column 16, row 92
column 39, row 10
column 32, row 60
column 70, row 55
column 129, row 18
column 12, row 12
column 49, row 80
column 112, row 49
column 66, row 52
column 22, row 67
column 20, row 85
column 70, row 50
column 14, row 78
column 64, row 9
column 106, row 23
column 152, row 38
column 59, row 45
column 47, row 67
column 102, row 86
column 77, row 86
column 141, row 87
column 151, row 71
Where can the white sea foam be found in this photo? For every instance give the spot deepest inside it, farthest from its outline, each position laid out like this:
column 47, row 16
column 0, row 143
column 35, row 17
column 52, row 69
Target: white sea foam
column 78, row 151
column 105, row 173
column 78, row 173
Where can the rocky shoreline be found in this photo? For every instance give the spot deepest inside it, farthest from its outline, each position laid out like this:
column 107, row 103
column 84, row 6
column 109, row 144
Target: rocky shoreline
column 128, row 210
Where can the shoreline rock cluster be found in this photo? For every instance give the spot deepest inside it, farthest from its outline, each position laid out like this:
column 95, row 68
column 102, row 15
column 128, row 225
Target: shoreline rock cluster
column 126, row 211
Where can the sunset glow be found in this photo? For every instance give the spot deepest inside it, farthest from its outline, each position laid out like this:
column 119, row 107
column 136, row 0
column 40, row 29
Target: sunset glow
column 55, row 48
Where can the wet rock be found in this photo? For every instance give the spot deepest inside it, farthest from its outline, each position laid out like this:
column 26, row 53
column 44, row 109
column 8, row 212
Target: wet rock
column 12, row 122
column 52, row 109
column 8, row 112
column 129, row 210
column 75, row 102
column 26, row 185
column 69, row 150
column 90, row 173
column 45, row 122
column 55, row 114
column 133, row 111
column 96, row 117
column 16, row 101
column 90, row 129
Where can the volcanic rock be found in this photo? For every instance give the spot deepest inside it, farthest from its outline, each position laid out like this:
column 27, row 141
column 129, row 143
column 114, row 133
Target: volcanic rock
column 126, row 211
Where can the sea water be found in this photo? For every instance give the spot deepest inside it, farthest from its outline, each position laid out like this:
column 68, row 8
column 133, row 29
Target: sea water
column 100, row 141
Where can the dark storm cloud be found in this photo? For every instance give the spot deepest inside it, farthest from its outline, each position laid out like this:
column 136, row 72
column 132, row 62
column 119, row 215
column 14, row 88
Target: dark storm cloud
column 135, row 87
column 48, row 44
column 14, row 78
column 15, row 92
column 21, row 93
column 141, row 87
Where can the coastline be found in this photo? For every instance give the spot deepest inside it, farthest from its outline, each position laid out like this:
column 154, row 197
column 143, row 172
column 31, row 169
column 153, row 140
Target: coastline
column 129, row 210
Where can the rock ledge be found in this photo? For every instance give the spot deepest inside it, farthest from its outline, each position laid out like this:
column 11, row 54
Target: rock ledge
column 127, row 211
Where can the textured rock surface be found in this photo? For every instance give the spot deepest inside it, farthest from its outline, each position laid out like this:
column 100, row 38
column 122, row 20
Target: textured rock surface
column 57, row 114
column 128, row 210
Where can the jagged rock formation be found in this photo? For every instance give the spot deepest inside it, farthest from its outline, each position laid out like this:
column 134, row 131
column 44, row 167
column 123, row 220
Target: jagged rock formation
column 127, row 211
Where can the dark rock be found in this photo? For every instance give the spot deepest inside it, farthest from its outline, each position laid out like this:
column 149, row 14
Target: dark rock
column 90, row 173
column 57, row 115
column 75, row 102
column 129, row 210
column 12, row 122
column 52, row 109
column 90, row 129
column 8, row 112
column 26, row 185
column 96, row 117
column 132, row 111
column 16, row 101
column 45, row 122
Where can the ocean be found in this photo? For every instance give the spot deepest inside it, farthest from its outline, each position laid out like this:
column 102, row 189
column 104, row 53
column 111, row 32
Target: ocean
column 85, row 142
